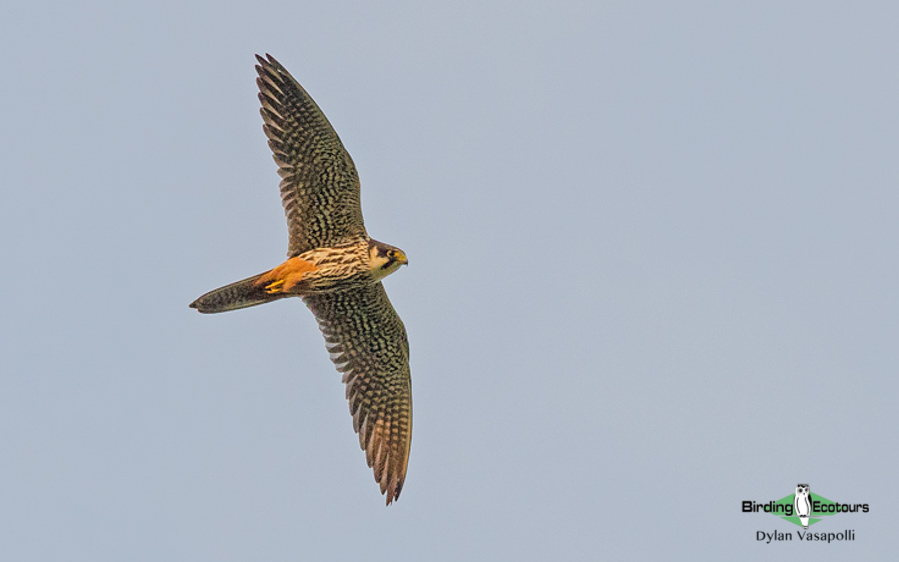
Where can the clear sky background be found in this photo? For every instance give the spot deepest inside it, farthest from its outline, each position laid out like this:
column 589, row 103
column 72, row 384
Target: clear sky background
column 653, row 273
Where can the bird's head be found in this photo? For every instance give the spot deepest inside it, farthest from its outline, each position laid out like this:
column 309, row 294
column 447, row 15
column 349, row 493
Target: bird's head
column 385, row 259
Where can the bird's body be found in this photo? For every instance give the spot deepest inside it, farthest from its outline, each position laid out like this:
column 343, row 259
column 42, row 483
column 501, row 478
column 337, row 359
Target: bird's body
column 337, row 269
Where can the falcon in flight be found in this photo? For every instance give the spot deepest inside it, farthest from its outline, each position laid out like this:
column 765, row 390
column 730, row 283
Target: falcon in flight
column 336, row 269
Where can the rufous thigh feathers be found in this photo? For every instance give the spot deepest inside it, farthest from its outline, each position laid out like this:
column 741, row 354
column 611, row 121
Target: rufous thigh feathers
column 286, row 276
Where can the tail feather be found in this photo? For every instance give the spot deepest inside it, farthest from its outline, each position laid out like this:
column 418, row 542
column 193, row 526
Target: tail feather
column 241, row 294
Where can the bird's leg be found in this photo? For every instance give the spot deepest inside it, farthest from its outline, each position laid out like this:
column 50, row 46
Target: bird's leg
column 286, row 276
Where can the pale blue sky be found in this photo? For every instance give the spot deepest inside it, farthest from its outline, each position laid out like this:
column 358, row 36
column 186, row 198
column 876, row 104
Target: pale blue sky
column 653, row 273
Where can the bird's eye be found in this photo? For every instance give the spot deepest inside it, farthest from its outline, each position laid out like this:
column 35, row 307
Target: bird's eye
column 391, row 254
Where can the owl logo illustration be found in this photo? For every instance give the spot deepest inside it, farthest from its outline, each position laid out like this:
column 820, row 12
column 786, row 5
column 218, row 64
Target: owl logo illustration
column 802, row 504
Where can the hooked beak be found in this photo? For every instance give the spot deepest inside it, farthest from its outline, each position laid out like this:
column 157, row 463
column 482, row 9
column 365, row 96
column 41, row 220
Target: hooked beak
column 401, row 258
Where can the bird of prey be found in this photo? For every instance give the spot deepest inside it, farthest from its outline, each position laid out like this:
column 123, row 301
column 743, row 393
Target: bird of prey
column 336, row 269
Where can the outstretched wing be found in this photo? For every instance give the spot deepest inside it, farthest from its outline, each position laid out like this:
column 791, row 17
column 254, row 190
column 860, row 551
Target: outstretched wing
column 319, row 185
column 368, row 344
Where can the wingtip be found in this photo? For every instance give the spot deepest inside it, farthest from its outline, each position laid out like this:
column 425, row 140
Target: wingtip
column 392, row 491
column 266, row 60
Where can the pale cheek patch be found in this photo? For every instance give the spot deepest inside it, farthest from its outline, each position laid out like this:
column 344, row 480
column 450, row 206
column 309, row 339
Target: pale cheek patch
column 376, row 261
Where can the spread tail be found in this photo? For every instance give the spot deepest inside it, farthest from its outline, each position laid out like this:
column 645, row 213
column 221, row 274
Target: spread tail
column 236, row 295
